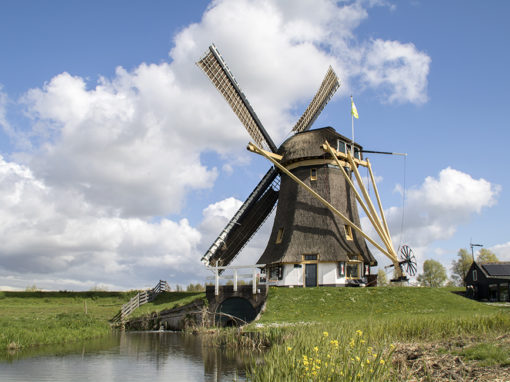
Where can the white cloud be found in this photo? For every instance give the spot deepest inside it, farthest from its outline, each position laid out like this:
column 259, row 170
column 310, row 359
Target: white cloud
column 400, row 70
column 435, row 210
column 502, row 251
column 46, row 231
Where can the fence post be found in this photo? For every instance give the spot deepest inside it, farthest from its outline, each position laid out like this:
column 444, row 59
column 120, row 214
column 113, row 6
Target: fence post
column 235, row 280
column 216, row 282
column 254, row 285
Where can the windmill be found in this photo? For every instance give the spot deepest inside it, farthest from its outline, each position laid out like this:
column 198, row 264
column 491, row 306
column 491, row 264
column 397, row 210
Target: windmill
column 315, row 239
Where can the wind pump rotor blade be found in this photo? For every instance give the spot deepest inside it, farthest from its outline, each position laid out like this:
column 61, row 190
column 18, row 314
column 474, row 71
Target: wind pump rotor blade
column 220, row 75
column 329, row 86
column 215, row 251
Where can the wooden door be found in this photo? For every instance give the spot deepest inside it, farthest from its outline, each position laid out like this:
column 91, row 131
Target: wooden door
column 310, row 275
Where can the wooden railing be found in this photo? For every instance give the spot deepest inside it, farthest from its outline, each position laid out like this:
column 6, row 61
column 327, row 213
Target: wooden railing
column 140, row 299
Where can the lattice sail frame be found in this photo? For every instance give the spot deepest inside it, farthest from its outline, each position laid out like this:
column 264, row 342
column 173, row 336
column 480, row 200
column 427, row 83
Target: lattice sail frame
column 220, row 75
column 329, row 86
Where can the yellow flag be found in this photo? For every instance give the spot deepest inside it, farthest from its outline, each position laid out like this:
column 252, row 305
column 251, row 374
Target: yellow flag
column 354, row 111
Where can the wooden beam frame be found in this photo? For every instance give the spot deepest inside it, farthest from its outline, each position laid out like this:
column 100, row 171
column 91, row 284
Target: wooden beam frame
column 369, row 211
column 251, row 147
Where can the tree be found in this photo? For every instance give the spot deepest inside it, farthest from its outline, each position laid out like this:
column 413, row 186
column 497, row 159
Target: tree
column 486, row 256
column 382, row 280
column 434, row 274
column 461, row 267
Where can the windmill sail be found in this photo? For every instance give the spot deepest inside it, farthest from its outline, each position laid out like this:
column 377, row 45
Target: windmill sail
column 245, row 222
column 218, row 72
column 328, row 87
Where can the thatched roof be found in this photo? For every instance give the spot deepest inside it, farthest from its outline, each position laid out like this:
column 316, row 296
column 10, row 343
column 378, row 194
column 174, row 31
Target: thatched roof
column 308, row 226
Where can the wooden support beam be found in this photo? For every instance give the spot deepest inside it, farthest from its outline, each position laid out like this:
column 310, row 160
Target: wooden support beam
column 371, row 207
column 251, row 147
column 378, row 199
column 372, row 219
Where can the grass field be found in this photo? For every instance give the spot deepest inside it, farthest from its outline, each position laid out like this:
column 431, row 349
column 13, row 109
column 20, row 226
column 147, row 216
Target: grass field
column 29, row 319
column 359, row 326
column 38, row 318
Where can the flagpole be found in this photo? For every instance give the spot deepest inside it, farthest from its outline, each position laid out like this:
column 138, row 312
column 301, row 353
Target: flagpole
column 352, row 125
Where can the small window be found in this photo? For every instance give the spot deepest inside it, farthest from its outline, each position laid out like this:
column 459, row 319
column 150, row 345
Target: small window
column 310, row 257
column 356, row 153
column 313, row 174
column 297, row 266
column 340, row 146
column 279, row 236
column 475, row 276
column 348, row 232
column 353, row 270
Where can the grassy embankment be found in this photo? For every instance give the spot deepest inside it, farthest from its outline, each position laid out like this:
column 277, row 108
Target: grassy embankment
column 39, row 318
column 350, row 333
column 29, row 319
column 167, row 300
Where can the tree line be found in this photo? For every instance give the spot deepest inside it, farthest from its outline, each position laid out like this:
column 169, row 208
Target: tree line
column 434, row 273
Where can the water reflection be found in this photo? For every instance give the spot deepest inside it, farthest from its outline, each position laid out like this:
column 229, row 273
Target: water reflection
column 155, row 356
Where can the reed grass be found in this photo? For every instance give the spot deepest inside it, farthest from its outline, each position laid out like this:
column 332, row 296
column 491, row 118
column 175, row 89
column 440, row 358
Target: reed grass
column 296, row 320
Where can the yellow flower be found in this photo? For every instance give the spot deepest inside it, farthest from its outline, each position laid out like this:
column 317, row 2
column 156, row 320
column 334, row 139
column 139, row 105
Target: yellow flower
column 368, row 361
column 325, row 334
column 362, row 341
column 316, row 349
column 359, row 332
column 357, row 358
column 381, row 361
column 392, row 346
column 289, row 348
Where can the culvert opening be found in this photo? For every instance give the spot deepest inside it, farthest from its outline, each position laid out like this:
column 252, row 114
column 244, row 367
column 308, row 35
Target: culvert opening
column 235, row 311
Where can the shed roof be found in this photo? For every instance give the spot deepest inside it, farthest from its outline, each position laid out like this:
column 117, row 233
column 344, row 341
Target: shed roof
column 501, row 268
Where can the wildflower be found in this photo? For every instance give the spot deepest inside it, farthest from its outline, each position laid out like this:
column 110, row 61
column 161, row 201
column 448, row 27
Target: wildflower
column 359, row 332
column 381, row 361
column 357, row 358
column 368, row 361
column 316, row 349
column 325, row 334
column 362, row 341
column 289, row 348
column 392, row 346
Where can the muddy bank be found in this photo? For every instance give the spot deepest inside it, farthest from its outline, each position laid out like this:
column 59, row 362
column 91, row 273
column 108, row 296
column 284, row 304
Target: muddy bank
column 442, row 362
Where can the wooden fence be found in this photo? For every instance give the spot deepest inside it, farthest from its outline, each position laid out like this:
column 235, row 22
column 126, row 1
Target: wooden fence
column 140, row 299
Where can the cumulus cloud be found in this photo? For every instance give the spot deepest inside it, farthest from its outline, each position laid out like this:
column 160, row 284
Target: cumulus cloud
column 437, row 208
column 399, row 70
column 112, row 163
column 502, row 251
column 51, row 231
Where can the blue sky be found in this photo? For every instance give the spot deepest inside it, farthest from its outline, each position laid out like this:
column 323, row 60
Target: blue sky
column 121, row 162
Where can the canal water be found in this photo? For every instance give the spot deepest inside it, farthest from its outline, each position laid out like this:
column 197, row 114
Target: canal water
column 131, row 356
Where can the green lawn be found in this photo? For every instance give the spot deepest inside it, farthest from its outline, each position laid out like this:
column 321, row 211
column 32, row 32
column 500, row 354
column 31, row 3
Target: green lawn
column 37, row 318
column 333, row 305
